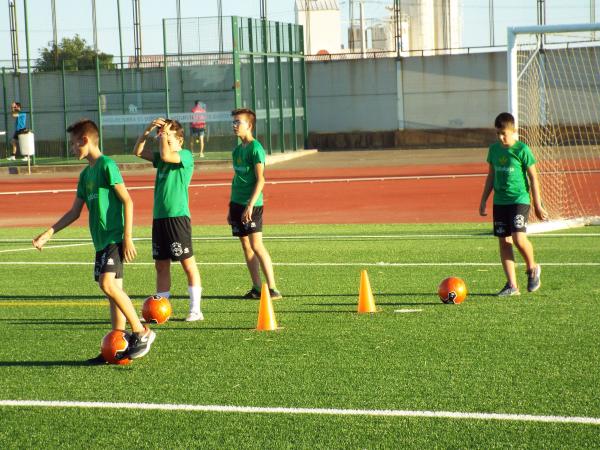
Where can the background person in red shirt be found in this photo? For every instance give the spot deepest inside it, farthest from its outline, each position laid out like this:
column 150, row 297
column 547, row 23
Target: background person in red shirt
column 198, row 127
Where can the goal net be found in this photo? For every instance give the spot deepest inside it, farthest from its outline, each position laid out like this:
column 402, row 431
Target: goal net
column 554, row 94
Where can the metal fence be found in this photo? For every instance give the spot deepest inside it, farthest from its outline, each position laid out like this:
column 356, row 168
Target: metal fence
column 257, row 64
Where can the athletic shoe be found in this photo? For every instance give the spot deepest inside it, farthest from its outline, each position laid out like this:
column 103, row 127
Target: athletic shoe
column 533, row 278
column 97, row 360
column 194, row 316
column 508, row 291
column 252, row 294
column 201, row 155
column 26, row 158
column 11, row 158
column 275, row 294
column 139, row 343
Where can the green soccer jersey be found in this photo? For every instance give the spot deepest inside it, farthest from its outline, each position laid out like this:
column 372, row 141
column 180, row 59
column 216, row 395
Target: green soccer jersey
column 96, row 188
column 244, row 178
column 171, row 186
column 511, row 185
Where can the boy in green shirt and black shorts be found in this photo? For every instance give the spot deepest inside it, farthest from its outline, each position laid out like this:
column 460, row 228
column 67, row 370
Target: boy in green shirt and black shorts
column 246, row 202
column 102, row 190
column 171, row 224
column 511, row 175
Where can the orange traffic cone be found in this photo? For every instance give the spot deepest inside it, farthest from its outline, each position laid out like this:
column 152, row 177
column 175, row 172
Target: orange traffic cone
column 366, row 302
column 266, row 315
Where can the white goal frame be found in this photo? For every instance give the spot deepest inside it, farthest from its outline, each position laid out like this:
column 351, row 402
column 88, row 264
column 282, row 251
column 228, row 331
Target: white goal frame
column 513, row 98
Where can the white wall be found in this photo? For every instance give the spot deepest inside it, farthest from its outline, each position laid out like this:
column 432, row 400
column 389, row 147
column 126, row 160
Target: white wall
column 451, row 91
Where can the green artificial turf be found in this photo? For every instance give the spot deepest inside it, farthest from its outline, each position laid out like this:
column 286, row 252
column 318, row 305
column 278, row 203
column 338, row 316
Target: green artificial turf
column 533, row 354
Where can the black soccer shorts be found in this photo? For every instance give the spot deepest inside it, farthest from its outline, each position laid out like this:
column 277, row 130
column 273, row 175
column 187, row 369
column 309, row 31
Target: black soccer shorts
column 172, row 238
column 109, row 260
column 239, row 228
column 510, row 219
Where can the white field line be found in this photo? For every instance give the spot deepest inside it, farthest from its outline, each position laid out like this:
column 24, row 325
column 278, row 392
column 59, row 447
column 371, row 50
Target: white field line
column 304, row 181
column 11, row 250
column 312, row 411
column 309, row 264
column 328, row 237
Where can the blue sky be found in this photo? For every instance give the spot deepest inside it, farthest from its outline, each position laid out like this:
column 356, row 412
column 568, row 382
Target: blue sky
column 75, row 17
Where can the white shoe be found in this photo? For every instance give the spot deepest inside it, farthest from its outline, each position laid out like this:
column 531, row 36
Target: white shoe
column 11, row 158
column 194, row 316
column 201, row 155
column 26, row 158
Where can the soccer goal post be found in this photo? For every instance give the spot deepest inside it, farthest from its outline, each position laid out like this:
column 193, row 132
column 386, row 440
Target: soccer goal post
column 554, row 95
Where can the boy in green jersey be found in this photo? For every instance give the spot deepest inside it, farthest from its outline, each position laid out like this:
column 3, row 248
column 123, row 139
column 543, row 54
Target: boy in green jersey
column 511, row 176
column 171, row 224
column 246, row 204
column 102, row 190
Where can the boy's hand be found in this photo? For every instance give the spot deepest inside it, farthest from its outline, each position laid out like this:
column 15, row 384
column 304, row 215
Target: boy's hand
column 40, row 240
column 129, row 251
column 482, row 209
column 541, row 213
column 247, row 214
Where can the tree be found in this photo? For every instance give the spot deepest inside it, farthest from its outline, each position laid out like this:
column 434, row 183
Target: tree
column 75, row 53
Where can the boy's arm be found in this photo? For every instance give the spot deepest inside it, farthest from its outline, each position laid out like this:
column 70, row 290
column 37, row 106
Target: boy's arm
column 259, row 171
column 536, row 196
column 166, row 153
column 139, row 147
column 128, row 247
column 487, row 190
column 67, row 219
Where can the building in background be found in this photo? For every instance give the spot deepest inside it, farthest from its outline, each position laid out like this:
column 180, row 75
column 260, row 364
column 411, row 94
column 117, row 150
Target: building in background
column 322, row 25
column 432, row 25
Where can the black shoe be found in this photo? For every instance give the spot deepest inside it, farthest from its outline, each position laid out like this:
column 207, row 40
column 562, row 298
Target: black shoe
column 275, row 294
column 252, row 294
column 140, row 343
column 97, row 360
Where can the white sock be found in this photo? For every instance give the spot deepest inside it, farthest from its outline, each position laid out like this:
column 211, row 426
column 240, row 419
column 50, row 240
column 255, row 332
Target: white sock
column 166, row 294
column 195, row 293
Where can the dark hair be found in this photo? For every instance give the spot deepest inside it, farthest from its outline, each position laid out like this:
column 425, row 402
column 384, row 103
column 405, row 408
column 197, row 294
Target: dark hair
column 504, row 120
column 251, row 115
column 17, row 104
column 85, row 127
column 177, row 128
column 197, row 102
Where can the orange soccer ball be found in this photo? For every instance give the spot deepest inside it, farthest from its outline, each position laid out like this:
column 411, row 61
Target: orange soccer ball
column 452, row 290
column 114, row 347
column 156, row 309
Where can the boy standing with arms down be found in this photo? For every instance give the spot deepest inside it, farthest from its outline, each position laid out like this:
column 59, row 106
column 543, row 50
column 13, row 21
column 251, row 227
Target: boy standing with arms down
column 171, row 224
column 511, row 175
column 246, row 205
column 110, row 208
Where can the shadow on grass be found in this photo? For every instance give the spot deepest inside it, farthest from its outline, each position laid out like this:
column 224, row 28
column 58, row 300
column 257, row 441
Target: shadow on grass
column 56, row 322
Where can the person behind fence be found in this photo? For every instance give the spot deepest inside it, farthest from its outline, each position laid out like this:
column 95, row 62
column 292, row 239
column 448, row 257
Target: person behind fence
column 246, row 202
column 512, row 175
column 20, row 128
column 198, row 126
column 171, row 224
column 110, row 208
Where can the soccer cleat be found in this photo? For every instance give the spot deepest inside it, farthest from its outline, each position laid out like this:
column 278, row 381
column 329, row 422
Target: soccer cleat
column 533, row 278
column 11, row 158
column 140, row 343
column 275, row 294
column 97, row 360
column 193, row 316
column 252, row 294
column 508, row 291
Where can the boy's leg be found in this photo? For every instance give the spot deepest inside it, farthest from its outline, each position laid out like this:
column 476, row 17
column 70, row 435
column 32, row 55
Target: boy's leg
column 251, row 261
column 264, row 258
column 202, row 144
column 524, row 246
column 507, row 257
column 163, row 275
column 117, row 296
column 194, row 288
column 117, row 318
